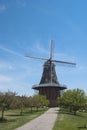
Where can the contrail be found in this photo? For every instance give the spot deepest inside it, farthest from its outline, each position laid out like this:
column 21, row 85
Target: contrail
column 10, row 51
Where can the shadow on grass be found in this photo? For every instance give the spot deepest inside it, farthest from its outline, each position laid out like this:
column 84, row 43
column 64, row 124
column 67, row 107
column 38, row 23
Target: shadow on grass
column 82, row 127
column 57, row 111
column 4, row 120
column 71, row 113
column 34, row 111
column 66, row 112
column 25, row 113
column 18, row 114
column 14, row 115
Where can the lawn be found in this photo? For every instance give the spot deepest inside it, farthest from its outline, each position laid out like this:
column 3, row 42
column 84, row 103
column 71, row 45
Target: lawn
column 67, row 121
column 14, row 119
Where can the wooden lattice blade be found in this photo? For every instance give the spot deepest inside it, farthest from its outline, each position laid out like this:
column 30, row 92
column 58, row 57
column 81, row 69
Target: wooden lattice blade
column 64, row 62
column 38, row 58
column 51, row 49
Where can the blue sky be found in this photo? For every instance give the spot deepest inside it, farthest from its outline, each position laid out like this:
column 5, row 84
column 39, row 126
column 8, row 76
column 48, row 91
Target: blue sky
column 26, row 27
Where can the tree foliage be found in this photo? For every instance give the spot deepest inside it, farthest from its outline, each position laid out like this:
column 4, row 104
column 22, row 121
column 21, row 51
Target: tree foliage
column 40, row 101
column 5, row 101
column 10, row 100
column 73, row 100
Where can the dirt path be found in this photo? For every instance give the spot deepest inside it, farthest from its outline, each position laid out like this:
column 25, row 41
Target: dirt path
column 44, row 122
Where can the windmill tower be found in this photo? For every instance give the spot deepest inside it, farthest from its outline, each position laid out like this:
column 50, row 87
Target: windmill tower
column 49, row 85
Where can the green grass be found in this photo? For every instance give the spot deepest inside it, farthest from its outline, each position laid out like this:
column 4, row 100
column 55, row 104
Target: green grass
column 14, row 119
column 71, row 122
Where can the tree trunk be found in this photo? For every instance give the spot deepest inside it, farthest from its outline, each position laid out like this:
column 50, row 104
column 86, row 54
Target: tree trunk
column 31, row 109
column 75, row 112
column 37, row 108
column 21, row 109
column 2, row 112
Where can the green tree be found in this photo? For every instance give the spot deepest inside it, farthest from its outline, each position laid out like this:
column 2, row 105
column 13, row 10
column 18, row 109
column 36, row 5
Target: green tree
column 5, row 101
column 40, row 101
column 21, row 103
column 43, row 101
column 73, row 100
column 31, row 102
column 36, row 101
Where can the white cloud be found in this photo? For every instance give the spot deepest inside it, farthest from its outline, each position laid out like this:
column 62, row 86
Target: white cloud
column 39, row 49
column 2, row 8
column 5, row 78
column 81, row 68
column 6, row 66
column 21, row 3
column 10, row 51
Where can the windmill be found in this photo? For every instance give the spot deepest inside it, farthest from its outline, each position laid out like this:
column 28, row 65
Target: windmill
column 49, row 85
